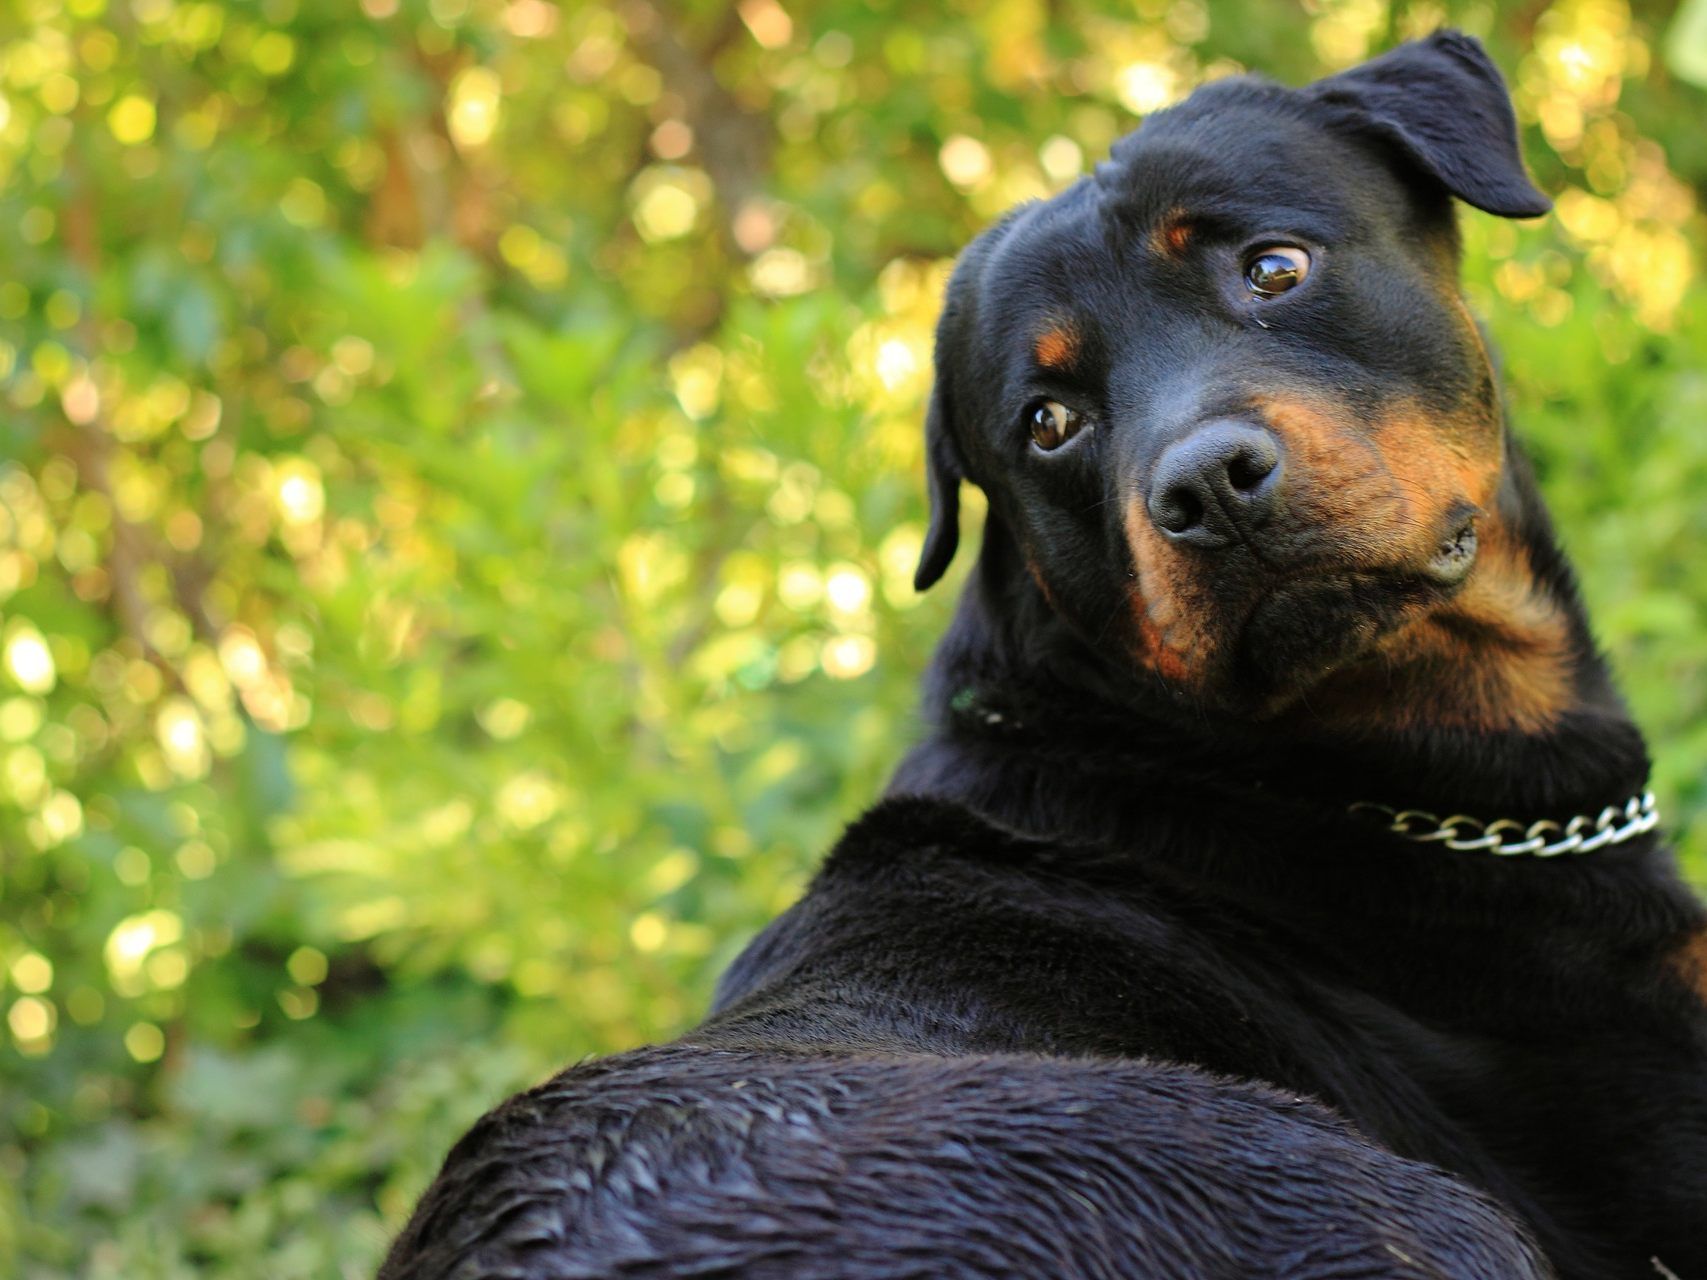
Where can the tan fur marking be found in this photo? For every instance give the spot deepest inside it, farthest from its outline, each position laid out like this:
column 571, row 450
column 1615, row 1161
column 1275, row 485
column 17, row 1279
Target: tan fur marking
column 1338, row 482
column 1056, row 348
column 1168, row 606
column 1689, row 962
column 1171, row 237
column 1042, row 583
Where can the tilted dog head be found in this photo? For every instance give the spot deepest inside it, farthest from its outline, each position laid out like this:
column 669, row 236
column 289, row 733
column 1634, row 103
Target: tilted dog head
column 1225, row 399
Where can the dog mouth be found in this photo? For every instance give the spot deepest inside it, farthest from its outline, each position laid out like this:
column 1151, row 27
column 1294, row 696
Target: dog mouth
column 1456, row 555
column 1251, row 632
column 1307, row 628
column 1301, row 633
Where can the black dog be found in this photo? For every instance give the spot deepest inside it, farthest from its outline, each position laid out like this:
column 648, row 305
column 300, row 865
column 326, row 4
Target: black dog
column 1122, row 981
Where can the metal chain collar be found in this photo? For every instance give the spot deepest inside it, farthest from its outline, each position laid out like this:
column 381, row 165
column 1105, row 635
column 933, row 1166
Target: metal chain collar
column 1508, row 837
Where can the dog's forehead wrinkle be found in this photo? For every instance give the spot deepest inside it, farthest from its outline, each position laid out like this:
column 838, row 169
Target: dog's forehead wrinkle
column 1045, row 257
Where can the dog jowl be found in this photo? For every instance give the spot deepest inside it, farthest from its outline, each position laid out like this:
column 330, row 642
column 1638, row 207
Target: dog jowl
column 1229, row 402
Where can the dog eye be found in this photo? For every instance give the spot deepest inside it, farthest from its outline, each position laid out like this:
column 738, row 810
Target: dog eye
column 1274, row 270
column 1053, row 424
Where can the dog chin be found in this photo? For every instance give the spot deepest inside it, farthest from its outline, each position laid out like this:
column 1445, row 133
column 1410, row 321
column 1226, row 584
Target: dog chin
column 1303, row 632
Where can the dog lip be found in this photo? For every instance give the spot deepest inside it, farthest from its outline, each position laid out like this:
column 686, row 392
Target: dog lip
column 1456, row 555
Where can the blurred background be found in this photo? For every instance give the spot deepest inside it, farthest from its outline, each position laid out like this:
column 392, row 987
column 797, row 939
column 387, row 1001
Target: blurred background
column 460, row 479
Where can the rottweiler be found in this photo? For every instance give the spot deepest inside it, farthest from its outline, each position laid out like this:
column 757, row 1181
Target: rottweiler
column 1275, row 892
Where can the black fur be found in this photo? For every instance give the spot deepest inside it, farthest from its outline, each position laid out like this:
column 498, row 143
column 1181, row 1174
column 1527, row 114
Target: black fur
column 1442, row 102
column 1114, row 984
column 695, row 1161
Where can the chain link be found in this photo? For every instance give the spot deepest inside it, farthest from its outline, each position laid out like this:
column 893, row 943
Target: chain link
column 1508, row 837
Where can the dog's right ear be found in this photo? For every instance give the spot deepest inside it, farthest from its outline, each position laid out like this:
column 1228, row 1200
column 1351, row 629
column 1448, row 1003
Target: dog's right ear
column 943, row 474
column 1442, row 103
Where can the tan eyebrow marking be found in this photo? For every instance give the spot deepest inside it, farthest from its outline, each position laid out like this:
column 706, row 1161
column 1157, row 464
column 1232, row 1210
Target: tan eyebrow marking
column 1172, row 235
column 1056, row 347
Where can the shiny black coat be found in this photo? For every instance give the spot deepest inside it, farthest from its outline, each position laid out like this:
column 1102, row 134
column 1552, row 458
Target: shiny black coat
column 931, row 1067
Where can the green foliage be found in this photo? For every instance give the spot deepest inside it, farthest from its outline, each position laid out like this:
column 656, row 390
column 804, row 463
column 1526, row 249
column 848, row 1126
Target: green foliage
column 459, row 486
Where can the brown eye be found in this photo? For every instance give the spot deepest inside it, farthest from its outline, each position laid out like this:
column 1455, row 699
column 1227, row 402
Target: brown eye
column 1276, row 269
column 1053, row 424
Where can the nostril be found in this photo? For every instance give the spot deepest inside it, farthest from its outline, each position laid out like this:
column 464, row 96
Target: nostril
column 1249, row 467
column 1177, row 510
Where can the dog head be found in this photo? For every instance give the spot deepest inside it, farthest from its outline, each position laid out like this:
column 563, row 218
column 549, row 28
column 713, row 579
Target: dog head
column 1227, row 402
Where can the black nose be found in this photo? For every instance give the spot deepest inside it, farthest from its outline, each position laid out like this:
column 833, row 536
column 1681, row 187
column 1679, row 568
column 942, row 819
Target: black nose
column 1219, row 483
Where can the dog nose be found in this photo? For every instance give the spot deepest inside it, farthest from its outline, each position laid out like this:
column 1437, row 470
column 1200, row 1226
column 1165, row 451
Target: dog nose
column 1220, row 482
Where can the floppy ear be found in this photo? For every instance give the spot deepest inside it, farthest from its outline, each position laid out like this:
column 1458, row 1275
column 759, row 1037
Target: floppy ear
column 943, row 474
column 1442, row 103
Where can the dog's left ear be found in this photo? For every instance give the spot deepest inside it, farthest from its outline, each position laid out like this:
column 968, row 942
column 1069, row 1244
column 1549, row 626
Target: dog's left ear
column 1443, row 103
column 943, row 474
